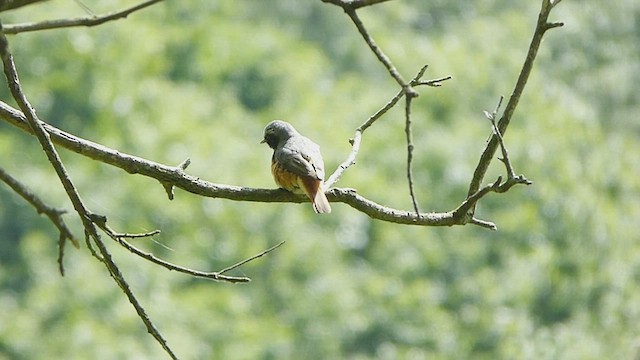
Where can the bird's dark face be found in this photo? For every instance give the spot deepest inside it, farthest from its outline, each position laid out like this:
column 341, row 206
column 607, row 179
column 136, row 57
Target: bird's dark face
column 276, row 132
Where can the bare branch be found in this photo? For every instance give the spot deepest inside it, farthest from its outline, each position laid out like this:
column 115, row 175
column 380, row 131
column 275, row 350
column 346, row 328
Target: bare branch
column 101, row 222
column 192, row 184
column 485, row 159
column 483, row 223
column 215, row 275
column 14, row 4
column 407, row 130
column 259, row 255
column 43, row 137
column 348, row 162
column 168, row 187
column 355, row 142
column 117, row 276
column 384, row 59
column 136, row 236
column 85, row 21
column 55, row 215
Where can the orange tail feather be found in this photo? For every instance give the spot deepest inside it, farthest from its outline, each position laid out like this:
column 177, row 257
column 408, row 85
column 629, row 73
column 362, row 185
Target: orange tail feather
column 313, row 189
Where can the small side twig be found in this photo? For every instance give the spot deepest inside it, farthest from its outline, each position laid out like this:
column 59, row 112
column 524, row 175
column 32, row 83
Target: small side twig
column 259, row 255
column 512, row 178
column 355, row 141
column 168, row 186
column 542, row 26
column 136, row 236
column 407, row 130
column 382, row 57
column 55, row 215
column 101, row 222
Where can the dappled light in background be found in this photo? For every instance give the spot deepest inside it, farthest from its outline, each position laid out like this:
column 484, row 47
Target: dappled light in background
column 200, row 80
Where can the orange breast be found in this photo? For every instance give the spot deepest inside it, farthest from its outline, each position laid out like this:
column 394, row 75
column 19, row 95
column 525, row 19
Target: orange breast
column 285, row 179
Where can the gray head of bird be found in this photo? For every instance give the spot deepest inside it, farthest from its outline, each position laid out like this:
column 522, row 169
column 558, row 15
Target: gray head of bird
column 276, row 132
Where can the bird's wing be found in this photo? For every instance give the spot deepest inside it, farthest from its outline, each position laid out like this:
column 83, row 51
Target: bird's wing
column 302, row 157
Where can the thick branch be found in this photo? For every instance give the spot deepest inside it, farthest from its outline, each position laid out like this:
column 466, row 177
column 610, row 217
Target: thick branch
column 177, row 177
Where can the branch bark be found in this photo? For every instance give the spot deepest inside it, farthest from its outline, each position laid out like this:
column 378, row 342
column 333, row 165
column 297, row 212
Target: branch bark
column 177, row 177
column 85, row 21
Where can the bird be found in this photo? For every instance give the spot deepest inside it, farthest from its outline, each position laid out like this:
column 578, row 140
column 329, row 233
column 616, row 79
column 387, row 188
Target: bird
column 296, row 164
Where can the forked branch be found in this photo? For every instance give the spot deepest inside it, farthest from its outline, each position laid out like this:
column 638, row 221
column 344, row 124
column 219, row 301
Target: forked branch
column 542, row 26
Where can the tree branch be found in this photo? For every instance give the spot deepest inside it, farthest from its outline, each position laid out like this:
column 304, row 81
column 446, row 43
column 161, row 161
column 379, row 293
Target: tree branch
column 407, row 130
column 487, row 155
column 55, row 215
column 355, row 141
column 178, row 178
column 85, row 21
column 43, row 137
column 101, row 222
column 382, row 57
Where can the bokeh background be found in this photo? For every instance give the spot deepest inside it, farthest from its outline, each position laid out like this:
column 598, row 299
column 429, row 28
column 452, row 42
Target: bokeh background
column 200, row 79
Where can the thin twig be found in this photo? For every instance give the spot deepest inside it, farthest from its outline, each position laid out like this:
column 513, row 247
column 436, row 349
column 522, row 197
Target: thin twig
column 214, row 275
column 355, row 142
column 348, row 162
column 55, row 215
column 168, row 187
column 84, row 21
column 136, row 236
column 384, row 59
column 120, row 238
column 496, row 132
column 433, row 82
column 487, row 155
column 407, row 130
column 85, row 8
column 261, row 254
column 512, row 178
column 116, row 274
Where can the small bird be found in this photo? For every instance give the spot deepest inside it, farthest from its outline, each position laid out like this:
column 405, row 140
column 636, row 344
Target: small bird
column 296, row 164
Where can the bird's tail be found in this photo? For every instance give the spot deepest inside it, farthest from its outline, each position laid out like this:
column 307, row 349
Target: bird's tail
column 314, row 189
column 321, row 203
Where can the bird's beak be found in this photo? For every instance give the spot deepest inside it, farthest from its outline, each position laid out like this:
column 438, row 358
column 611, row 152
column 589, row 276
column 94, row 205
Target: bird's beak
column 263, row 141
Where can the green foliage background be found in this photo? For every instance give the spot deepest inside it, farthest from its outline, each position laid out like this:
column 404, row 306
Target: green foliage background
column 200, row 79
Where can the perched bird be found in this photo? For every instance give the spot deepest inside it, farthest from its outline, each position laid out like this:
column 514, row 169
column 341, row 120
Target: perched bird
column 296, row 164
